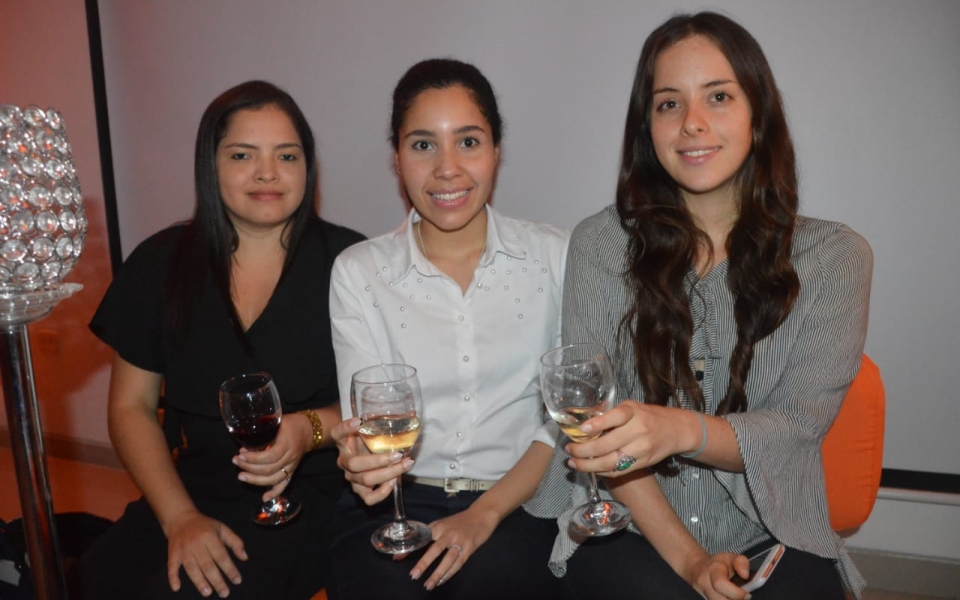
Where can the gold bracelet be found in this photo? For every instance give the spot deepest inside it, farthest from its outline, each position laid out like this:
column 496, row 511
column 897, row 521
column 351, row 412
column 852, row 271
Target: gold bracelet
column 317, row 428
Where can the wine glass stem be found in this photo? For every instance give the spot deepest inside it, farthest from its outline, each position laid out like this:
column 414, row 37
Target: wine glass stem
column 594, row 494
column 398, row 516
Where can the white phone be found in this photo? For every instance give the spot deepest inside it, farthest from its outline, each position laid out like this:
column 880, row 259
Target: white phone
column 762, row 565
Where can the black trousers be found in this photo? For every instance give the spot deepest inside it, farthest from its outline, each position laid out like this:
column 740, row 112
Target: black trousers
column 512, row 564
column 129, row 561
column 625, row 565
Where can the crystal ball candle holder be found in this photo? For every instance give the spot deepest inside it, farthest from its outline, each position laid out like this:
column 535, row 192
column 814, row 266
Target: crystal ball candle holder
column 42, row 221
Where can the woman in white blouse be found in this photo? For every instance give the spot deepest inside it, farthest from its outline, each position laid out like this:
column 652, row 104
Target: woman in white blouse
column 471, row 298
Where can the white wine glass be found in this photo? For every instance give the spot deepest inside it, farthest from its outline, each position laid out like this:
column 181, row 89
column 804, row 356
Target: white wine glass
column 388, row 401
column 577, row 384
column 251, row 409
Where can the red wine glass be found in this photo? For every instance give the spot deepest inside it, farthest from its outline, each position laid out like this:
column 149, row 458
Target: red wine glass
column 251, row 409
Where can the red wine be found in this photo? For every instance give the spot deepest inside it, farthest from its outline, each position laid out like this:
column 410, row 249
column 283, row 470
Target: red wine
column 256, row 434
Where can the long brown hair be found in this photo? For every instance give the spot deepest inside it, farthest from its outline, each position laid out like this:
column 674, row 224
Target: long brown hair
column 665, row 239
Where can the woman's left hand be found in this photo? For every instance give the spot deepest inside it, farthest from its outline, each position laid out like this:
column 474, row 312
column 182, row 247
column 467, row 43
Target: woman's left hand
column 710, row 577
column 274, row 466
column 456, row 538
column 652, row 433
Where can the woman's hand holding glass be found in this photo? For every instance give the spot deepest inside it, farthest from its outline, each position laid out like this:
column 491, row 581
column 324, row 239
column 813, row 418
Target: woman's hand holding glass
column 273, row 466
column 577, row 384
column 388, row 401
column 644, row 432
column 251, row 410
column 371, row 476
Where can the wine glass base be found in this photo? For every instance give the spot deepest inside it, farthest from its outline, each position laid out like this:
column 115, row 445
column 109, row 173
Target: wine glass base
column 593, row 521
column 278, row 511
column 400, row 538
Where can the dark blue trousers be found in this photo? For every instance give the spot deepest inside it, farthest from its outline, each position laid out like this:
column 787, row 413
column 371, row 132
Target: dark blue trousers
column 512, row 564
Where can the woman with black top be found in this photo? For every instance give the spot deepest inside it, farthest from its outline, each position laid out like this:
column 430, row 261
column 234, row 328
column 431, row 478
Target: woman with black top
column 242, row 287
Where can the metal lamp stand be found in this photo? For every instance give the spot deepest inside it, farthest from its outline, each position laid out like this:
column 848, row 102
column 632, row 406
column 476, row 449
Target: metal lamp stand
column 17, row 310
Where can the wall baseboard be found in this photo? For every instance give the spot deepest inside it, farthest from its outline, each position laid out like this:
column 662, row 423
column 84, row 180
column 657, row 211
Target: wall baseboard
column 59, row 446
column 910, row 574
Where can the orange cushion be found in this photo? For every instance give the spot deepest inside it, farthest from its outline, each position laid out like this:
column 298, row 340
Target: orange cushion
column 853, row 450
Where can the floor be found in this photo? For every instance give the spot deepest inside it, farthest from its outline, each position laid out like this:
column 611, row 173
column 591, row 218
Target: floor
column 103, row 491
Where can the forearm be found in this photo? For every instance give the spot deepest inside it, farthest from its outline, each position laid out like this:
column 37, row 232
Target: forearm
column 653, row 515
column 139, row 442
column 518, row 484
column 717, row 439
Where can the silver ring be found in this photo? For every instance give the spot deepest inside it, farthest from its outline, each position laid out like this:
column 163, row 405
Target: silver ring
column 285, row 472
column 457, row 546
column 624, row 462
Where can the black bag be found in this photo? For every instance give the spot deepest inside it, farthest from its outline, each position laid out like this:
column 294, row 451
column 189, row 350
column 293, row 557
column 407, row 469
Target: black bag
column 76, row 531
column 15, row 581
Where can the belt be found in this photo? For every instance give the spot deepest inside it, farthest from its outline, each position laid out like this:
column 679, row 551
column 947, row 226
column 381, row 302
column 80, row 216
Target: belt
column 452, row 486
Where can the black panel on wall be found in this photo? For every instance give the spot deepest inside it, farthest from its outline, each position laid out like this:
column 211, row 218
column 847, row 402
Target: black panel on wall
column 103, row 133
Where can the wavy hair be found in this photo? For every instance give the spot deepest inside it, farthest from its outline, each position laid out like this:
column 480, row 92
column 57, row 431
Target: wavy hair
column 666, row 242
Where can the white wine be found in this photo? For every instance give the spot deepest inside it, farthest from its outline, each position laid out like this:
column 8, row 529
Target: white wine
column 386, row 433
column 571, row 417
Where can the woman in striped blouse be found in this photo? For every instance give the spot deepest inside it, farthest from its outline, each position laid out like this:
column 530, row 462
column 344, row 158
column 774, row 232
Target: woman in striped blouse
column 736, row 326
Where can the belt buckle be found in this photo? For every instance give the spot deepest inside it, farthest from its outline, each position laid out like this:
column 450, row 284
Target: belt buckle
column 449, row 487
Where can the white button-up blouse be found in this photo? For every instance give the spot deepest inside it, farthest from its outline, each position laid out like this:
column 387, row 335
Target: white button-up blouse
column 477, row 354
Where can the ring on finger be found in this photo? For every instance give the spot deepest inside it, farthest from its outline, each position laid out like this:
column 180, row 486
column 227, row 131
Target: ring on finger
column 624, row 462
column 457, row 546
column 285, row 472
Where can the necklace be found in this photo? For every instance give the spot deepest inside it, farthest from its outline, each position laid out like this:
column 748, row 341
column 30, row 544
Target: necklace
column 420, row 239
column 423, row 249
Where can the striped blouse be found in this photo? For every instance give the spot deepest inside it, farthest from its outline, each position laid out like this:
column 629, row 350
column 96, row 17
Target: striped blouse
column 796, row 384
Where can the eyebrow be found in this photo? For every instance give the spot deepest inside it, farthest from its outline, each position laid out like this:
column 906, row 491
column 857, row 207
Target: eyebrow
column 430, row 134
column 255, row 147
column 709, row 84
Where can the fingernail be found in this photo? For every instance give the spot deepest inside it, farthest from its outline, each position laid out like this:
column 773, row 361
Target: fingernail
column 428, row 586
column 224, row 593
column 586, row 428
column 395, row 456
column 441, row 582
column 415, row 574
column 235, row 460
column 237, row 580
column 242, row 478
column 408, row 463
column 571, row 464
column 205, row 592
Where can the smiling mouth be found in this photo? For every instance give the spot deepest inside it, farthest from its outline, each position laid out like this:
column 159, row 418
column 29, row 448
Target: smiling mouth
column 698, row 153
column 451, row 196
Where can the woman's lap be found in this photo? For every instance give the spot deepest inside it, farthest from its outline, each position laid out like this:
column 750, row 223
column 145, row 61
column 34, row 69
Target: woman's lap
column 511, row 564
column 130, row 560
column 626, row 566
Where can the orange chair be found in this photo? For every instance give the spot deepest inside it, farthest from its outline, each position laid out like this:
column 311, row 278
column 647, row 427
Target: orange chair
column 853, row 450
